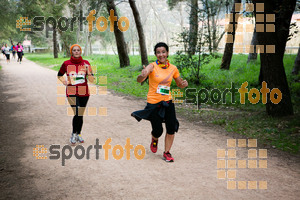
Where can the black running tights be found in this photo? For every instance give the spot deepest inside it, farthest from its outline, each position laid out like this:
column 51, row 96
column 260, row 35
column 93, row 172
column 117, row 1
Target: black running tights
column 78, row 104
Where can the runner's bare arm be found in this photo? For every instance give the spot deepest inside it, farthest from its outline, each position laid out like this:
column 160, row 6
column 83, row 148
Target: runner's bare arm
column 91, row 78
column 145, row 72
column 90, row 74
column 63, row 80
column 180, row 82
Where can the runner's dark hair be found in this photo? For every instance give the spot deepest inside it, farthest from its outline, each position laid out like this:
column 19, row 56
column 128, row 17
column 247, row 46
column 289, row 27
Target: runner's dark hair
column 161, row 44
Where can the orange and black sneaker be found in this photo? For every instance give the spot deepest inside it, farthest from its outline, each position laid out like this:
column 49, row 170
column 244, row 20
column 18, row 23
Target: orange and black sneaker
column 168, row 157
column 153, row 145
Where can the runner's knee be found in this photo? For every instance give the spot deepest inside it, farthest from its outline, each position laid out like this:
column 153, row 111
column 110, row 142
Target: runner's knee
column 157, row 132
column 171, row 131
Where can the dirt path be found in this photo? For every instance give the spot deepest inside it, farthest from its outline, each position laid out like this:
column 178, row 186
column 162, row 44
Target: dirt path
column 30, row 116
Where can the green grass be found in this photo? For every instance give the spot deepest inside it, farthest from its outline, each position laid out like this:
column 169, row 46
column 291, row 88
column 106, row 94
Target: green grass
column 248, row 120
column 275, row 132
column 46, row 59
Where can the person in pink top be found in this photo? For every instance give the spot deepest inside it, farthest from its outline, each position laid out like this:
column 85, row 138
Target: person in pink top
column 19, row 52
column 2, row 50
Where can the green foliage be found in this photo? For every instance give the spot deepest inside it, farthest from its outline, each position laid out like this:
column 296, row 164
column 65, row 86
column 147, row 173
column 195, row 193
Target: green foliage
column 188, row 64
column 8, row 16
column 189, row 67
column 173, row 3
column 68, row 38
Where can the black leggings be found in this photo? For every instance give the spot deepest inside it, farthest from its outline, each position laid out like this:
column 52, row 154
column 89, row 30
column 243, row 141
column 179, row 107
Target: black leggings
column 170, row 121
column 20, row 55
column 78, row 104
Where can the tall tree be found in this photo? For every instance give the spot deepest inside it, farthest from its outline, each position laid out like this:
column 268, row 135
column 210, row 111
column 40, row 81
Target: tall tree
column 28, row 9
column 211, row 10
column 228, row 51
column 8, row 16
column 163, row 26
column 272, row 67
column 193, row 21
column 193, row 27
column 69, row 37
column 140, row 31
column 55, row 9
column 121, row 45
column 297, row 64
column 55, row 43
column 253, row 55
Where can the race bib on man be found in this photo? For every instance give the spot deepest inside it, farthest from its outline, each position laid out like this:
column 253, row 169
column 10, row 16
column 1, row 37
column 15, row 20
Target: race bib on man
column 162, row 89
column 19, row 49
column 77, row 79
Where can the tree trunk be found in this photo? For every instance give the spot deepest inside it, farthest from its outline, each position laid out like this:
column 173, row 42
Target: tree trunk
column 216, row 40
column 272, row 68
column 228, row 51
column 55, row 49
column 253, row 56
column 209, row 36
column 181, row 18
column 163, row 27
column 121, row 45
column 65, row 45
column 193, row 27
column 79, row 25
column 216, row 45
column 86, row 46
column 132, row 46
column 90, row 43
column 139, row 27
column 214, row 33
column 297, row 64
column 11, row 41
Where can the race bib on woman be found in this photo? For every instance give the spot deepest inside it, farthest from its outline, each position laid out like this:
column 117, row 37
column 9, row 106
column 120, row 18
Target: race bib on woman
column 77, row 79
column 162, row 89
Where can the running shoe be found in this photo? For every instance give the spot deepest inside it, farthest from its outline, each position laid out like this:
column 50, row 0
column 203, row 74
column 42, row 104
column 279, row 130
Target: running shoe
column 73, row 138
column 168, row 157
column 80, row 139
column 153, row 145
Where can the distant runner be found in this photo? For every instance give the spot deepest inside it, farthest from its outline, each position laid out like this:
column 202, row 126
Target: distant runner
column 7, row 53
column 13, row 49
column 19, row 52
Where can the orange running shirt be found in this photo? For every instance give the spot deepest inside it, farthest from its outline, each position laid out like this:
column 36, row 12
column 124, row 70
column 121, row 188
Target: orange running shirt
column 163, row 77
